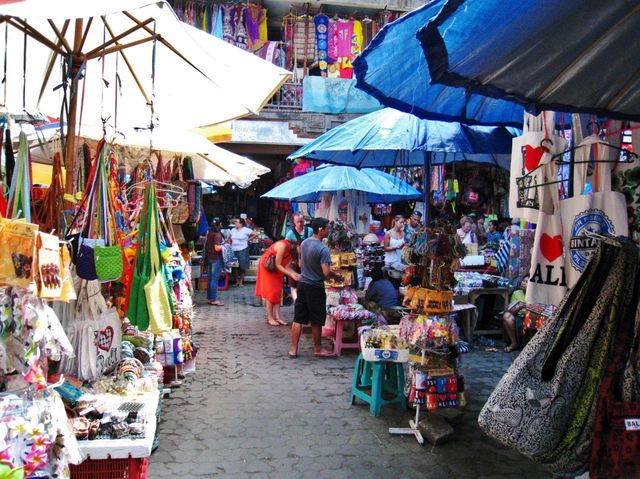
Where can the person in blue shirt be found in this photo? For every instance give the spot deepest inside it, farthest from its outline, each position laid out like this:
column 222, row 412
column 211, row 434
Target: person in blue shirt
column 381, row 292
column 297, row 235
column 299, row 232
column 493, row 235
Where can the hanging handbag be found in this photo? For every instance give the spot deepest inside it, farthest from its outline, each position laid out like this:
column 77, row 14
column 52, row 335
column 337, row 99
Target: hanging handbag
column 137, row 311
column 615, row 448
column 17, row 249
column 547, row 276
column 602, row 212
column 532, row 403
column 527, row 154
column 270, row 262
column 155, row 290
column 108, row 262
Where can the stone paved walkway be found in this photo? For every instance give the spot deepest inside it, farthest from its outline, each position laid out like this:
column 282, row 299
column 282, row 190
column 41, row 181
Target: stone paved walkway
column 251, row 412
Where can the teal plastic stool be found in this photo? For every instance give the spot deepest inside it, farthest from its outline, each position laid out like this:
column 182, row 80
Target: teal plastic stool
column 378, row 384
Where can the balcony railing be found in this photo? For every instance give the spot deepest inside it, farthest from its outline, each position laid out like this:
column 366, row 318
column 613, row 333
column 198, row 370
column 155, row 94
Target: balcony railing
column 287, row 98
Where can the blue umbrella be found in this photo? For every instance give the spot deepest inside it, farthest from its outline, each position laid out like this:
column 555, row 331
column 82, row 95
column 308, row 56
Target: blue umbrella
column 394, row 71
column 379, row 186
column 389, row 137
column 569, row 55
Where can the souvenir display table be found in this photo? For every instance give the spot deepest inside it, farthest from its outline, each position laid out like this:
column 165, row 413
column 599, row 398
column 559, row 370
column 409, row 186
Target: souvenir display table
column 127, row 447
column 469, row 313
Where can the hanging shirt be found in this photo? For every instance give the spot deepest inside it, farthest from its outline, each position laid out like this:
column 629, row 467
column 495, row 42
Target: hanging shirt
column 344, row 31
column 252, row 14
column 262, row 27
column 217, row 27
column 356, row 39
column 242, row 38
column 332, row 42
column 228, row 23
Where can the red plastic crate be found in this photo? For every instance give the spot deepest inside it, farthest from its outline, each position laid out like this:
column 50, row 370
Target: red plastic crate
column 131, row 468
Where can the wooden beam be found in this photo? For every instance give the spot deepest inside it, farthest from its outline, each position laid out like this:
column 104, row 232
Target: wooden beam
column 26, row 28
column 166, row 44
column 52, row 61
column 85, row 34
column 61, row 38
column 117, row 38
column 119, row 47
column 129, row 66
column 70, row 154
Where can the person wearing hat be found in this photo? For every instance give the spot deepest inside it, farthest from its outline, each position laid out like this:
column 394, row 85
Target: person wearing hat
column 413, row 226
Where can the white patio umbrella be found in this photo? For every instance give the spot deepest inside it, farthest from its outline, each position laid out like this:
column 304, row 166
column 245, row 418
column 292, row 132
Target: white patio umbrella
column 210, row 162
column 122, row 57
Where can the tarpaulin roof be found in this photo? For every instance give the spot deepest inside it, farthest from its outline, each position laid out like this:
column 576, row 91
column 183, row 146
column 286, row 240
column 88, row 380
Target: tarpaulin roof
column 394, row 71
column 569, row 55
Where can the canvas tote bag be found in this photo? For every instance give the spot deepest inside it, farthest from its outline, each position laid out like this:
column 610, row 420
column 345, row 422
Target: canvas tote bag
column 547, row 276
column 603, row 212
column 535, row 147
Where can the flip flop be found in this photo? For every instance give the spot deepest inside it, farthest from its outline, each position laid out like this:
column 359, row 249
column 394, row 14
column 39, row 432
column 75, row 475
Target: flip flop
column 281, row 322
column 215, row 303
column 293, row 356
column 269, row 323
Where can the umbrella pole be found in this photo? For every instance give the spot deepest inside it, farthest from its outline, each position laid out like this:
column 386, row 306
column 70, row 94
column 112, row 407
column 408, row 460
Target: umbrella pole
column 70, row 154
column 427, row 187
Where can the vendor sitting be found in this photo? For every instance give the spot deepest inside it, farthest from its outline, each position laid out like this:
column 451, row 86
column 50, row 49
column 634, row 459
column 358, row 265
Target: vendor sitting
column 381, row 295
column 513, row 317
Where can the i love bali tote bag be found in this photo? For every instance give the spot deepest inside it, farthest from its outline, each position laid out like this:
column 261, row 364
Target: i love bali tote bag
column 547, row 277
column 529, row 152
column 585, row 216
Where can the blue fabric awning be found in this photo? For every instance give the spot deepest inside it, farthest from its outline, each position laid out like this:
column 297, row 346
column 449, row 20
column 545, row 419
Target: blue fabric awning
column 393, row 70
column 379, row 186
column 389, row 137
column 569, row 55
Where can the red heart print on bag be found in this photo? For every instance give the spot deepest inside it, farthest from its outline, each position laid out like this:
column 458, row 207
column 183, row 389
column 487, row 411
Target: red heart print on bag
column 532, row 157
column 551, row 247
column 105, row 338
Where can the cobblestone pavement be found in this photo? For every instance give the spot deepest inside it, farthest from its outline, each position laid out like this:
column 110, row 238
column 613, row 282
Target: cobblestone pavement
column 251, row 412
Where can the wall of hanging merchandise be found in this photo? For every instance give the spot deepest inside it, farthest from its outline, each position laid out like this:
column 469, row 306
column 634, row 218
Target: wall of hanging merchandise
column 100, row 361
column 308, row 40
column 243, row 24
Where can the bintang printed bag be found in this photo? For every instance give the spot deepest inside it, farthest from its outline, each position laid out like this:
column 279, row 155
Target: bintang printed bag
column 585, row 216
column 534, row 148
column 532, row 404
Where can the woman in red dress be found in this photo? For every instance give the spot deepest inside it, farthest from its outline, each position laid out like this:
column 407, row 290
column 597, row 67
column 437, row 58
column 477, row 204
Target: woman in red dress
column 269, row 284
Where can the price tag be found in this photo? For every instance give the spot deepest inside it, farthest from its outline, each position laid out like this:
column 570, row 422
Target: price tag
column 632, row 424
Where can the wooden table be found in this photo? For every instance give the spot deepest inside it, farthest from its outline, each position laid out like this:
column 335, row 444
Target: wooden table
column 477, row 292
column 469, row 316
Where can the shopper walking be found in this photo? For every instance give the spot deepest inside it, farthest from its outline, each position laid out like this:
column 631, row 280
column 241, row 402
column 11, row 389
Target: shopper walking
column 311, row 305
column 239, row 239
column 213, row 261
